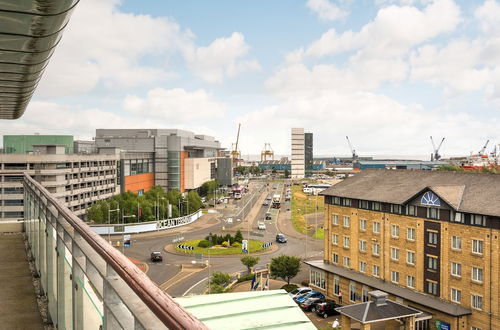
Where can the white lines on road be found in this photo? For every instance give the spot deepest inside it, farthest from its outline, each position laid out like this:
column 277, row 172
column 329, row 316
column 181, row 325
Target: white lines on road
column 185, row 293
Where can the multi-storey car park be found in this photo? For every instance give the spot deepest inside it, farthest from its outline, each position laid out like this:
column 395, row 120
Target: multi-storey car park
column 430, row 239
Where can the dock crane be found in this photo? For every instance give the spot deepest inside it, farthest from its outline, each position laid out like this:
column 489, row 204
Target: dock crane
column 267, row 152
column 436, row 156
column 481, row 152
column 354, row 155
column 235, row 153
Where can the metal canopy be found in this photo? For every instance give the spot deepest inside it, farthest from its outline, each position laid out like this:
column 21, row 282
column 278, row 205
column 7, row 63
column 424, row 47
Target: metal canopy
column 29, row 32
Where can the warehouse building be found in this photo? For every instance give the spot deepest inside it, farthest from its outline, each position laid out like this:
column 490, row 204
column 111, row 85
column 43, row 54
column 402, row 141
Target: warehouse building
column 430, row 239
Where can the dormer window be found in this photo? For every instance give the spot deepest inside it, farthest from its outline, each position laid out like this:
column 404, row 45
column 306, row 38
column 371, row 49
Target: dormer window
column 458, row 217
column 430, row 199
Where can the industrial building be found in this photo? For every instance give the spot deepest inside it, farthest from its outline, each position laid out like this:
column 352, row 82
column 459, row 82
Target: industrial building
column 394, row 164
column 430, row 239
column 77, row 180
column 284, row 164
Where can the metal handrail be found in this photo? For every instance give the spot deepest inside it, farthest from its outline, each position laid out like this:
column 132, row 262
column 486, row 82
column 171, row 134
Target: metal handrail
column 161, row 304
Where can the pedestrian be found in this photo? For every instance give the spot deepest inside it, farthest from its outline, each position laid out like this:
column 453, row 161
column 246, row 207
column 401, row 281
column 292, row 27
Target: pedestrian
column 340, row 296
column 336, row 324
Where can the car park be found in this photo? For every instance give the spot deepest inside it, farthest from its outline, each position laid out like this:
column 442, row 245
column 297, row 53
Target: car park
column 261, row 225
column 299, row 291
column 310, row 303
column 326, row 308
column 156, row 256
column 312, row 294
column 280, row 238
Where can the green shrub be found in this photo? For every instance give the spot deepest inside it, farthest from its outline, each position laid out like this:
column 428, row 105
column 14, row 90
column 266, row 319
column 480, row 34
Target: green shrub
column 289, row 287
column 225, row 244
column 236, row 244
column 247, row 277
column 204, row 244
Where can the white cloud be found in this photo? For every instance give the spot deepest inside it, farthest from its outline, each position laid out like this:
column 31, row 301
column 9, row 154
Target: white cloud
column 488, row 16
column 326, row 10
column 175, row 105
column 222, row 58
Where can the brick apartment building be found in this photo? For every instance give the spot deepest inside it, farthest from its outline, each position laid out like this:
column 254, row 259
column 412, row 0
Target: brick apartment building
column 430, row 239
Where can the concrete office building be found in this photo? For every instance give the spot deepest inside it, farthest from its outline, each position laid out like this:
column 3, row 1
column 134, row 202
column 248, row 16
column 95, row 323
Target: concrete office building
column 308, row 152
column 225, row 171
column 23, row 144
column 298, row 153
column 430, row 239
column 171, row 148
column 77, row 180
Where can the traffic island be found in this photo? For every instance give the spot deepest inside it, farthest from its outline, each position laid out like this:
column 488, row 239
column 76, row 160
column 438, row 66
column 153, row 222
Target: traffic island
column 187, row 248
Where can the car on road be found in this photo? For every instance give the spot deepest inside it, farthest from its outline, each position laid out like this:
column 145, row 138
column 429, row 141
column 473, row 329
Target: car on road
column 312, row 294
column 280, row 238
column 229, row 221
column 156, row 256
column 268, row 216
column 326, row 308
column 299, row 291
column 266, row 203
column 261, row 225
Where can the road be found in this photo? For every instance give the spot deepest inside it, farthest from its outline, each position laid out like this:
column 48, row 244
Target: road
column 197, row 282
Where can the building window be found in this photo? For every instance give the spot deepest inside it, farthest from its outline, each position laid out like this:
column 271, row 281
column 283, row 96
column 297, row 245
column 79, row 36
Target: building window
column 410, row 281
column 335, row 258
column 347, row 241
column 395, row 277
column 317, row 279
column 456, row 242
column 336, row 200
column 376, row 206
column 364, row 294
column 346, row 202
column 477, row 246
column 364, row 204
column 395, row 254
column 376, row 227
column 475, row 328
column 456, row 269
column 376, row 249
column 352, row 291
column 335, row 239
column 410, row 257
column 336, row 285
column 376, row 271
column 432, row 288
column 433, row 238
column 479, row 220
column 432, row 263
column 362, row 224
column 395, row 208
column 477, row 274
column 411, row 210
column 347, row 221
column 395, row 231
column 432, row 213
column 335, row 219
column 477, row 301
column 362, row 267
column 410, row 234
column 456, row 295
column 458, row 217
column 347, row 262
column 362, row 246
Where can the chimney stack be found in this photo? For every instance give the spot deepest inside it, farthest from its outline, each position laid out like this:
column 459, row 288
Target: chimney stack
column 379, row 297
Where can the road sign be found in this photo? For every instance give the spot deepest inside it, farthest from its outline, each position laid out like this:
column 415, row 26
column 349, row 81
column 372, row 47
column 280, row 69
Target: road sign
column 126, row 240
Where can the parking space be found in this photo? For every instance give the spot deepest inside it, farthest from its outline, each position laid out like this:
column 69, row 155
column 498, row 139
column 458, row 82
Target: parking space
column 320, row 322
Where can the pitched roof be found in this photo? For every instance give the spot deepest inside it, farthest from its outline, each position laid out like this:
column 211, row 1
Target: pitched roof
column 368, row 312
column 247, row 310
column 396, row 290
column 466, row 192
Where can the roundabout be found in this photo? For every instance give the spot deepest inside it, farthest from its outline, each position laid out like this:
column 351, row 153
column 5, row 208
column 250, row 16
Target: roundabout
column 256, row 247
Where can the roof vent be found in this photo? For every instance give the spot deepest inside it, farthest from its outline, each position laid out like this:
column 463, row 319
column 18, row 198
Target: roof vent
column 379, row 297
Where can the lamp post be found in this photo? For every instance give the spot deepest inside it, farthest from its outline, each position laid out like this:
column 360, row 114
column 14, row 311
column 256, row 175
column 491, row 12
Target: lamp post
column 123, row 236
column 109, row 222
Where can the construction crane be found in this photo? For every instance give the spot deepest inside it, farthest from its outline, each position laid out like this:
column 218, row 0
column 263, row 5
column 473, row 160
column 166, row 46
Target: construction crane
column 435, row 155
column 235, row 153
column 481, row 152
column 267, row 151
column 354, row 155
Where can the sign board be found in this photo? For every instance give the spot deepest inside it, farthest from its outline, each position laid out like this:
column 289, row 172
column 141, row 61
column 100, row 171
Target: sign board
column 244, row 246
column 440, row 325
column 126, row 240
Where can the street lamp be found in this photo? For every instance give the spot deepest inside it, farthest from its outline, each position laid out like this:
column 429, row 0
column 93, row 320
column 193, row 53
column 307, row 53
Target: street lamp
column 109, row 222
column 123, row 236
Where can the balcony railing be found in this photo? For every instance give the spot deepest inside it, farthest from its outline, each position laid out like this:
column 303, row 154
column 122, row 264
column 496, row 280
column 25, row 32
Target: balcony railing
column 88, row 283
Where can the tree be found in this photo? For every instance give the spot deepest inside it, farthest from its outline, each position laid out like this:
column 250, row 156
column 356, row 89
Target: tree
column 287, row 173
column 249, row 262
column 285, row 267
column 238, row 237
column 219, row 278
column 209, row 187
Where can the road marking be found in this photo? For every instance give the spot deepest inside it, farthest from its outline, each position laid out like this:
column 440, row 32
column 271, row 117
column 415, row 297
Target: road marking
column 185, row 293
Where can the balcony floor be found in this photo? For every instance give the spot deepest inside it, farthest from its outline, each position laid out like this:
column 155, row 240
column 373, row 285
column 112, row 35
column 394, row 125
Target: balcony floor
column 18, row 306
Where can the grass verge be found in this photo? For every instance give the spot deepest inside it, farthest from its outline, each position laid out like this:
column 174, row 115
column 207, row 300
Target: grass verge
column 304, row 204
column 320, row 233
column 255, row 246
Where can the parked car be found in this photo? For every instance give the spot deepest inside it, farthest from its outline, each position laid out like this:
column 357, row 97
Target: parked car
column 309, row 304
column 299, row 291
column 280, row 238
column 261, row 225
column 156, row 256
column 326, row 308
column 312, row 294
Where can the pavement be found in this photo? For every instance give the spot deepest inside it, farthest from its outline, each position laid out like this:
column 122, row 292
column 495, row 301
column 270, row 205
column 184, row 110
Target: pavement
column 18, row 304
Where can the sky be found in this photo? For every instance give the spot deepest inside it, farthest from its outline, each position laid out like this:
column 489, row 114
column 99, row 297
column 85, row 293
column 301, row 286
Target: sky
column 387, row 73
